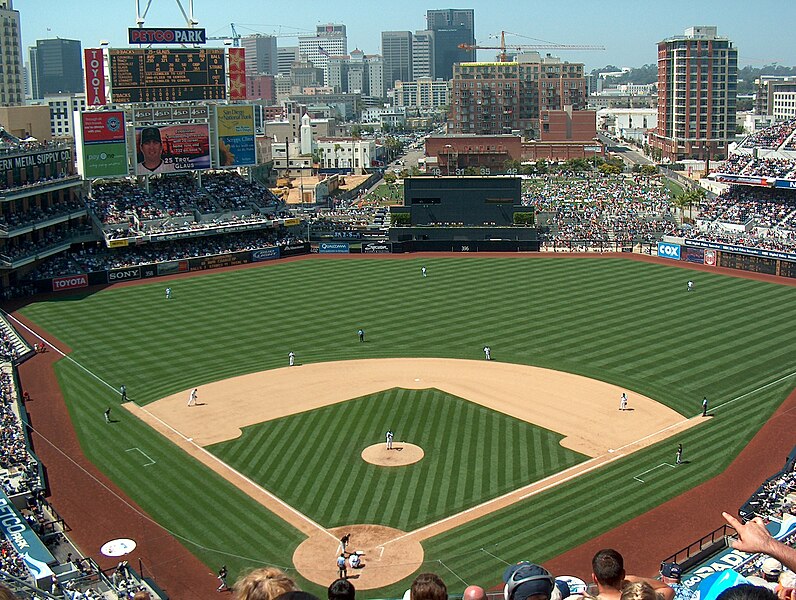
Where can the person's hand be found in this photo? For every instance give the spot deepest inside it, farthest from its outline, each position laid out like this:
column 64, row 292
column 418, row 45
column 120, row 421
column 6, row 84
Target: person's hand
column 752, row 536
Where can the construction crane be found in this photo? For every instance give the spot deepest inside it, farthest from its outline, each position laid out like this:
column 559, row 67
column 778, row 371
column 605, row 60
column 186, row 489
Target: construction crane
column 502, row 57
column 235, row 37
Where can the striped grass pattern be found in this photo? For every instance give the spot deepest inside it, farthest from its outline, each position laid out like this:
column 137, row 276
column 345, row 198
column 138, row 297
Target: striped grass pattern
column 623, row 322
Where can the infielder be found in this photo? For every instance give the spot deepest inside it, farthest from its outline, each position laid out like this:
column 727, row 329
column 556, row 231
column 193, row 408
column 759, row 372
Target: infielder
column 487, row 353
column 623, row 402
column 291, row 359
column 193, row 396
column 389, row 439
column 705, row 406
column 679, row 458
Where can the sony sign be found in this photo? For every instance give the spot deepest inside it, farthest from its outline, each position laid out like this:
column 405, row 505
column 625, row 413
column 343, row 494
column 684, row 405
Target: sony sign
column 124, row 274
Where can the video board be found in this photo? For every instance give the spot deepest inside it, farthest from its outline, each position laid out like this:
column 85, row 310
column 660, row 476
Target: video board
column 166, row 75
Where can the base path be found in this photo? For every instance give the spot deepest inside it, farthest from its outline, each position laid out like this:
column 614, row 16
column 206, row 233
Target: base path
column 555, row 400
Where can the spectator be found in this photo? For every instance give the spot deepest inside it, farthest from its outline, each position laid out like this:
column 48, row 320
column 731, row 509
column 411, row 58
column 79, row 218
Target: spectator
column 608, row 572
column 474, row 592
column 428, row 586
column 671, row 575
column 6, row 594
column 754, row 537
column 639, row 591
column 747, row 591
column 265, row 583
column 527, row 581
column 341, row 589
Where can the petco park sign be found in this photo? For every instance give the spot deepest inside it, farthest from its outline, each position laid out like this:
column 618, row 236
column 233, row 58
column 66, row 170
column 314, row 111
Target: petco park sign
column 145, row 35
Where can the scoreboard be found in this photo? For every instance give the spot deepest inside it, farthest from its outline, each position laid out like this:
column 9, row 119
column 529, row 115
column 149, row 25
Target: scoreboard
column 165, row 75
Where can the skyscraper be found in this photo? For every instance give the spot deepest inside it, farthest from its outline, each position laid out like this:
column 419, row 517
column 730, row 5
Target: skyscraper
column 11, row 77
column 285, row 57
column 261, row 54
column 697, row 85
column 451, row 27
column 329, row 40
column 58, row 67
column 396, row 50
column 423, row 54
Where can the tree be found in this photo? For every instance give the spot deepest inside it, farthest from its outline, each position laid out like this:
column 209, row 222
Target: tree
column 610, row 169
column 541, row 166
column 390, row 178
column 512, row 165
column 356, row 131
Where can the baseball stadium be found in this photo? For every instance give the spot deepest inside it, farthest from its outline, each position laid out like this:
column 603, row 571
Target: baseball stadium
column 204, row 374
column 523, row 457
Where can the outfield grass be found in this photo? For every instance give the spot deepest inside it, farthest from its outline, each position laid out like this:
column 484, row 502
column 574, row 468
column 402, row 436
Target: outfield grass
column 627, row 323
column 473, row 454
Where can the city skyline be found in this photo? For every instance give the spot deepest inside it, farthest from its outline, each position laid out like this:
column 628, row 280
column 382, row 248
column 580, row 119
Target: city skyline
column 629, row 35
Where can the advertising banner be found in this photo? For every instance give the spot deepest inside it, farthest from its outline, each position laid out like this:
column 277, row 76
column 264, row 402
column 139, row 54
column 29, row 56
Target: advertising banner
column 376, row 248
column 764, row 253
column 14, row 165
column 237, row 73
column 173, row 266
column 219, row 260
column 104, row 149
column 333, row 248
column 235, row 126
column 295, row 249
column 262, row 254
column 172, row 148
column 710, row 257
column 125, row 274
column 666, row 250
column 70, row 282
column 95, row 76
column 24, row 540
column 785, row 183
column 695, row 255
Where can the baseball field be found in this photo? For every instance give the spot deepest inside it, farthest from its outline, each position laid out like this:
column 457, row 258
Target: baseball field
column 269, row 467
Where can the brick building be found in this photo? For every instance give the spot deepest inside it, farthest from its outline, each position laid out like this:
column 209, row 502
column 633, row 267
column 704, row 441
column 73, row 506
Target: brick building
column 479, row 151
column 508, row 97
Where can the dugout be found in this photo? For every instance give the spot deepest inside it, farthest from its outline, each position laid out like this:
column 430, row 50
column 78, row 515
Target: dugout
column 462, row 208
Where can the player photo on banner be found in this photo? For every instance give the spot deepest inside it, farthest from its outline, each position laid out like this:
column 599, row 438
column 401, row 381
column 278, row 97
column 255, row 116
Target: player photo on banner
column 172, row 148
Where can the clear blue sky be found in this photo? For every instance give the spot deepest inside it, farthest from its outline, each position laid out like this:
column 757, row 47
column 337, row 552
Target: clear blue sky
column 762, row 30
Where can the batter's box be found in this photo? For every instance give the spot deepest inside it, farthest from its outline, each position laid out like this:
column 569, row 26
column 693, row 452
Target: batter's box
column 638, row 477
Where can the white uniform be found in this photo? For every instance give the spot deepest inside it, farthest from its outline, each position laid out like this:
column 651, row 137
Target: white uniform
column 623, row 402
column 291, row 358
column 168, row 293
column 423, row 270
column 389, row 440
column 192, row 397
column 690, row 286
column 487, row 352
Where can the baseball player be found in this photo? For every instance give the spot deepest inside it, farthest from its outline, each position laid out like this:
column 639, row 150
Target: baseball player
column 705, row 406
column 623, row 402
column 168, row 293
column 222, row 578
column 193, row 396
column 291, row 359
column 341, row 566
column 389, row 439
column 361, row 334
column 679, row 458
column 690, row 287
column 423, row 271
column 107, row 414
column 123, row 392
column 487, row 353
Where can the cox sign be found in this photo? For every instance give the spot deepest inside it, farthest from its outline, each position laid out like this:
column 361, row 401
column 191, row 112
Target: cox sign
column 669, row 250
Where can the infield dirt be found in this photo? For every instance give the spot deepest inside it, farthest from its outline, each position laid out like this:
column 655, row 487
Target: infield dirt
column 571, row 405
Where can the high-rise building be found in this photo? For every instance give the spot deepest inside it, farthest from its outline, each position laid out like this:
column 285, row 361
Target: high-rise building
column 11, row 76
column 285, row 57
column 495, row 98
column 451, row 27
column 423, row 94
column 697, row 85
column 56, row 67
column 329, row 40
column 374, row 65
column 396, row 50
column 423, row 54
column 261, row 54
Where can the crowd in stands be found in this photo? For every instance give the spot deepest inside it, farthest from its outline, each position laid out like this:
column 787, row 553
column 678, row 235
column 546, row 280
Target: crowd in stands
column 232, row 192
column 99, row 258
column 34, row 214
column 771, row 137
column 118, row 201
column 4, row 185
column 598, row 209
column 50, row 238
column 749, row 166
column 178, row 195
column 14, row 456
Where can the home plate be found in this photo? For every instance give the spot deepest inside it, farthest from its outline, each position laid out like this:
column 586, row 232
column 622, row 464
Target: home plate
column 417, row 379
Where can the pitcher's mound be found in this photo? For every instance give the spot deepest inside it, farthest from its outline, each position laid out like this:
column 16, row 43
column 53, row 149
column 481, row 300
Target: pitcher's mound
column 384, row 561
column 401, row 454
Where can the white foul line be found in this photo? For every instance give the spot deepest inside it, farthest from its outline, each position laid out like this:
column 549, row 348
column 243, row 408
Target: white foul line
column 151, row 462
column 241, row 475
column 638, row 477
